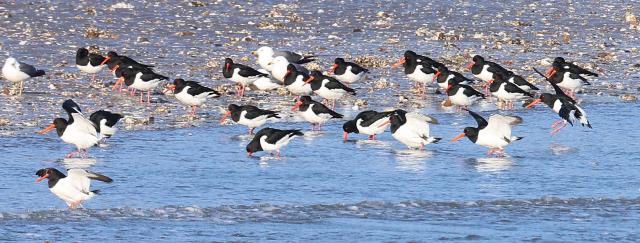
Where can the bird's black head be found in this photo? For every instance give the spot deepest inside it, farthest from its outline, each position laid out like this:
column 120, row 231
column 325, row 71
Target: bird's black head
column 305, row 99
column 112, row 54
column 227, row 64
column 478, row 59
column 547, row 99
column 443, row 69
column 291, row 68
column 350, row 127
column 471, row 133
column 410, row 54
column 233, row 107
column 49, row 173
column 254, row 146
column 316, row 73
column 82, row 52
column 338, row 60
column 559, row 59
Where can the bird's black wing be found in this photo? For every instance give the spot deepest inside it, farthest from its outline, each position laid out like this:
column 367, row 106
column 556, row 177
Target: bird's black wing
column 482, row 123
column 320, row 108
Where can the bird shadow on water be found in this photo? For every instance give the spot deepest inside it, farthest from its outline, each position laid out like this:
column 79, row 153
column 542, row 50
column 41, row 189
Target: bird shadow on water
column 412, row 160
column 491, row 164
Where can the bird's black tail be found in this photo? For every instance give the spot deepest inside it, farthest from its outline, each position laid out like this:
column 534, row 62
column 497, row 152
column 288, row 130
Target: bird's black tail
column 38, row 73
column 306, row 59
column 96, row 191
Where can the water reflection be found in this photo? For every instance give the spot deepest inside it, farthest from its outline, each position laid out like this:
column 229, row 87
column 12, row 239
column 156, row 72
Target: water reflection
column 491, row 164
column 77, row 163
column 412, row 160
column 559, row 149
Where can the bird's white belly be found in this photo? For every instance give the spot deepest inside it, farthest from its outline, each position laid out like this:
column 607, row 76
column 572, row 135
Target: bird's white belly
column 79, row 138
column 460, row 99
column 107, row 131
column 506, row 96
column 69, row 193
column 188, row 99
column 420, row 77
column 490, row 140
column 330, row 94
column 14, row 75
column 145, row 86
column 251, row 123
column 569, row 83
column 311, row 117
column 91, row 69
column 484, row 75
column 349, row 77
column 300, row 88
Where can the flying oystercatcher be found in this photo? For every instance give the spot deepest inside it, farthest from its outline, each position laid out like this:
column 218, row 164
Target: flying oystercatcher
column 494, row 134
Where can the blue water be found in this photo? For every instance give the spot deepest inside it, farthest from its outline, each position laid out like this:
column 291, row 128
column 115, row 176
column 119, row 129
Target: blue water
column 178, row 180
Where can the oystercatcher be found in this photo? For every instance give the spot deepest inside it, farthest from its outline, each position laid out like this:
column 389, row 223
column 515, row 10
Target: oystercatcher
column 73, row 188
column 191, row 93
column 249, row 116
column 367, row 122
column 114, row 61
column 445, row 78
column 463, row 95
column 506, row 91
column 411, row 129
column 517, row 80
column 105, row 121
column 567, row 76
column 485, row 70
column 494, row 134
column 314, row 112
column 271, row 139
column 18, row 72
column 327, row 87
column 141, row 79
column 241, row 74
column 266, row 54
column 564, row 106
column 78, row 130
column 347, row 72
column 295, row 83
column 89, row 62
column 417, row 70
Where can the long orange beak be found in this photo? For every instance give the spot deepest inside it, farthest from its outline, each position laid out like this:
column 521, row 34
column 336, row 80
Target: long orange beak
column 438, row 73
column 345, row 136
column 488, row 83
column 385, row 123
column 228, row 66
column 333, row 68
column 533, row 103
column 461, row 135
column 400, row 62
column 448, row 88
column 169, row 87
column 47, row 129
column 296, row 106
column 470, row 65
column 224, row 118
column 45, row 176
column 105, row 60
column 311, row 78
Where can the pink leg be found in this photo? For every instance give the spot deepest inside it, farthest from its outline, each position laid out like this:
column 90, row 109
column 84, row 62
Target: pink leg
column 75, row 204
column 93, row 77
column 148, row 96
column 278, row 154
column 556, row 130
column 557, row 123
column 421, row 146
column 251, row 130
column 141, row 96
column 491, row 151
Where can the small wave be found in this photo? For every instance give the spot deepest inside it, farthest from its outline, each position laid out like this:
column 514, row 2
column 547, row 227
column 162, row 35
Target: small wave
column 405, row 210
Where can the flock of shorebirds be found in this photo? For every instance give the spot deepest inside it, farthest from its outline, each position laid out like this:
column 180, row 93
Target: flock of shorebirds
column 285, row 69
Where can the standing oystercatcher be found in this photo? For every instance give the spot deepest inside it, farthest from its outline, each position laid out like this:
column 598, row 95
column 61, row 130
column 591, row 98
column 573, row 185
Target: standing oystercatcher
column 78, row 130
column 463, row 95
column 241, row 74
column 73, row 188
column 249, row 116
column 141, row 79
column 568, row 76
column 506, row 91
column 191, row 93
column 445, row 78
column 411, row 129
column 420, row 72
column 494, row 134
column 314, row 112
column 266, row 54
column 327, row 87
column 271, row 139
column 564, row 106
column 105, row 121
column 295, row 83
column 90, row 63
column 18, row 72
column 367, row 122
column 517, row 80
column 485, row 70
column 347, row 72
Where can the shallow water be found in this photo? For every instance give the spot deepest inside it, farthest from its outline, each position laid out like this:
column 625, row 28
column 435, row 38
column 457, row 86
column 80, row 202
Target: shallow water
column 192, row 181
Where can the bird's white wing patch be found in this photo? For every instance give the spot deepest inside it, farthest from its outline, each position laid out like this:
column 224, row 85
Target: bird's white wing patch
column 422, row 117
column 79, row 179
column 501, row 125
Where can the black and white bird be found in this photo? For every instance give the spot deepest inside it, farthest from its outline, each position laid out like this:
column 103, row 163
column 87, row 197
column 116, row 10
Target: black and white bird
column 518, row 80
column 142, row 80
column 190, row 93
column 271, row 139
column 445, row 78
column 90, row 63
column 294, row 81
column 411, row 129
column 17, row 72
column 494, row 134
column 113, row 61
column 564, row 106
column 314, row 112
column 266, row 55
column 77, row 130
column 463, row 96
column 249, row 116
column 568, row 76
column 73, row 188
column 106, row 122
column 485, row 70
column 328, row 87
column 242, row 75
column 347, row 72
column 367, row 122
column 507, row 91
column 417, row 70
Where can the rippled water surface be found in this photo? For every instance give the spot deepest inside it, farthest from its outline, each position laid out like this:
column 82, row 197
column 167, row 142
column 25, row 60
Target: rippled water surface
column 181, row 181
